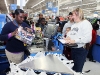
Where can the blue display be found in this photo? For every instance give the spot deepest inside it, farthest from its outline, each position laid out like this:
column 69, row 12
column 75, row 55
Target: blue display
column 49, row 5
column 13, row 6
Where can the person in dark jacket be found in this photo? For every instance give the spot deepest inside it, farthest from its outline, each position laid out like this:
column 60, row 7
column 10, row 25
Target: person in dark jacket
column 14, row 48
column 38, row 22
column 42, row 23
column 60, row 25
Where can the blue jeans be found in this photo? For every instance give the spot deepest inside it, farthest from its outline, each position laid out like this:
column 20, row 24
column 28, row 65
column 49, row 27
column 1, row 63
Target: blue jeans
column 79, row 57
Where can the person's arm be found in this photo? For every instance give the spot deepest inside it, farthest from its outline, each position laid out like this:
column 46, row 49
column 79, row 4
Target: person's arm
column 86, row 33
column 28, row 27
column 5, row 33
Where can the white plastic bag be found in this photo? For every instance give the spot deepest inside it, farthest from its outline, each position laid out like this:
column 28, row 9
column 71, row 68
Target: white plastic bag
column 30, row 72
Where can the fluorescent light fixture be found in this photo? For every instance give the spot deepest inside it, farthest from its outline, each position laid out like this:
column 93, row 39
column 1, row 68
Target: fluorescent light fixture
column 26, row 2
column 38, row 3
column 6, row 5
column 18, row 2
column 80, row 5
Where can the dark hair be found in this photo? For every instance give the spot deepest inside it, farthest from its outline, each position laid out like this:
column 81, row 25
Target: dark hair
column 40, row 14
column 95, row 26
column 18, row 11
column 42, row 19
column 57, row 18
column 13, row 14
column 70, row 13
column 25, row 18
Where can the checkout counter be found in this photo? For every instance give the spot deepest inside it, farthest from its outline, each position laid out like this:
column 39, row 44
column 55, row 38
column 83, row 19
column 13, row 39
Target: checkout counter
column 44, row 61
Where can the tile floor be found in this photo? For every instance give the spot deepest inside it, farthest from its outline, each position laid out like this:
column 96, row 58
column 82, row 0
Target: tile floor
column 94, row 67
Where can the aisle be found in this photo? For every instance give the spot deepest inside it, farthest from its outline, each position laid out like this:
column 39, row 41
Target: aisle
column 94, row 67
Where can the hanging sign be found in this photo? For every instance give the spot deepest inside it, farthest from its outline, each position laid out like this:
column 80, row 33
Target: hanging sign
column 49, row 5
column 13, row 6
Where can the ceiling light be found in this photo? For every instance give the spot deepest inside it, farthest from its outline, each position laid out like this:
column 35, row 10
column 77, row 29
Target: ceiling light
column 37, row 3
column 6, row 5
column 22, row 2
column 26, row 2
column 18, row 2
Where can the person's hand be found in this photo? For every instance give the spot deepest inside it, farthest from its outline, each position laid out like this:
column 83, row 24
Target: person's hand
column 67, row 38
column 53, row 49
column 71, row 41
column 29, row 29
column 14, row 33
column 67, row 41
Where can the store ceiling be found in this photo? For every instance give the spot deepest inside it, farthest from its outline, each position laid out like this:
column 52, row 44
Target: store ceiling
column 65, row 5
column 3, row 8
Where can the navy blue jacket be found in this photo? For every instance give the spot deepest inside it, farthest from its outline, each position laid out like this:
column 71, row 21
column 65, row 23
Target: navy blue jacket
column 12, row 45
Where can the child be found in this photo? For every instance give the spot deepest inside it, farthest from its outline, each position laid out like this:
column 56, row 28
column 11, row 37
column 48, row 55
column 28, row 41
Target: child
column 67, row 30
column 67, row 50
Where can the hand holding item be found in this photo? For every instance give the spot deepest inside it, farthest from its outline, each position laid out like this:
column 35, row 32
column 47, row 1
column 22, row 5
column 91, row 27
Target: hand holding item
column 14, row 33
column 67, row 41
column 71, row 41
column 67, row 38
column 29, row 29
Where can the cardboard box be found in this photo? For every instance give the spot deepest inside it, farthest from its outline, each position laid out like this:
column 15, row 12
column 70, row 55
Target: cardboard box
column 24, row 36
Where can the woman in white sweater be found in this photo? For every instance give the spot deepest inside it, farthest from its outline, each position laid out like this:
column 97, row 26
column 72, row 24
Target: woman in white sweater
column 81, row 33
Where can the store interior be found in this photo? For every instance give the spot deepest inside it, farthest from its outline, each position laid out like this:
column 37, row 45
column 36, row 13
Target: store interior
column 40, row 60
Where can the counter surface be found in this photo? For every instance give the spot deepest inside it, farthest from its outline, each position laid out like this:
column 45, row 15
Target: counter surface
column 49, row 63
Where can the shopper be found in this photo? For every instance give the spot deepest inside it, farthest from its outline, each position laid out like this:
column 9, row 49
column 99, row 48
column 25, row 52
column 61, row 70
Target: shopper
column 67, row 50
column 14, row 48
column 94, row 35
column 67, row 30
column 57, row 19
column 69, row 23
column 81, row 33
column 38, row 22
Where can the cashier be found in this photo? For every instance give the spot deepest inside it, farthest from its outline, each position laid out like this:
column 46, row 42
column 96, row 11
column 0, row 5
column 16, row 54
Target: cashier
column 81, row 33
column 14, row 48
